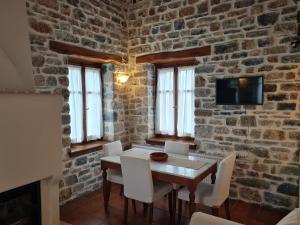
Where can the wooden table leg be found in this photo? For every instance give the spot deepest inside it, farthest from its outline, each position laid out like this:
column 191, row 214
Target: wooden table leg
column 105, row 189
column 192, row 204
column 213, row 178
column 174, row 193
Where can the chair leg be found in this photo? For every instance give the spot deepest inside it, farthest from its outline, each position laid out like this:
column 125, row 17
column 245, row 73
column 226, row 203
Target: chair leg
column 215, row 211
column 150, row 214
column 227, row 209
column 121, row 190
column 179, row 211
column 125, row 210
column 133, row 206
column 174, row 200
column 108, row 189
column 145, row 205
column 170, row 203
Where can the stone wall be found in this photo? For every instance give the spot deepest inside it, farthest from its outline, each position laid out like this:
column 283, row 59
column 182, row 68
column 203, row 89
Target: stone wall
column 248, row 37
column 93, row 24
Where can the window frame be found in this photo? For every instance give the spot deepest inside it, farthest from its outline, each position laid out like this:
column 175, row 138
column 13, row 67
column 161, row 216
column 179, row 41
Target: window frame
column 83, row 65
column 175, row 66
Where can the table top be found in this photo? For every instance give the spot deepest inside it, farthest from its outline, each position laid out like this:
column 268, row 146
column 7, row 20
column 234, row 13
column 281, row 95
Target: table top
column 163, row 167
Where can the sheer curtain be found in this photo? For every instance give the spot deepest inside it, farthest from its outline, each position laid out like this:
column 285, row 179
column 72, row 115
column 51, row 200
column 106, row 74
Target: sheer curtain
column 94, row 119
column 76, row 104
column 186, row 101
column 165, row 102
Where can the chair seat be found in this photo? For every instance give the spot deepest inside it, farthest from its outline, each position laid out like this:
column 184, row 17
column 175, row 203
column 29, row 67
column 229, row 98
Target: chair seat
column 203, row 194
column 292, row 218
column 199, row 218
column 115, row 176
column 161, row 189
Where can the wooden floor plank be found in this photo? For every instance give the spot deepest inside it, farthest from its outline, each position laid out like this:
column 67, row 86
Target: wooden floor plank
column 89, row 210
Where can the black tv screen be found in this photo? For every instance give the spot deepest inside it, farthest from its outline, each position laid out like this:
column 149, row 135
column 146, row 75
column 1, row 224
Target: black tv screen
column 240, row 91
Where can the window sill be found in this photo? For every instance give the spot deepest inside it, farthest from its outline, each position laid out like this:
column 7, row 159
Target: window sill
column 82, row 149
column 160, row 140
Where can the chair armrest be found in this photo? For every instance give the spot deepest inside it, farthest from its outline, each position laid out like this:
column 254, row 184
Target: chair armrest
column 199, row 218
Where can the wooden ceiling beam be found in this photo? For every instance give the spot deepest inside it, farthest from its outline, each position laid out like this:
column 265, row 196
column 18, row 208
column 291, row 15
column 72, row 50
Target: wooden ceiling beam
column 84, row 53
column 175, row 56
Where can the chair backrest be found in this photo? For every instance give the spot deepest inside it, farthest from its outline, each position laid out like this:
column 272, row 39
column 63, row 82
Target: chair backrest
column 137, row 178
column 113, row 148
column 176, row 147
column 223, row 179
column 199, row 218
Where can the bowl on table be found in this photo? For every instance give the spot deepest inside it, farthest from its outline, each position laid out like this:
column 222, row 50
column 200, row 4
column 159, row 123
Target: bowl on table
column 159, row 156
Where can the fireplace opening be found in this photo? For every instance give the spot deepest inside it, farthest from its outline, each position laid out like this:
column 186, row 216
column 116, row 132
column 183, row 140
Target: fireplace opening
column 21, row 206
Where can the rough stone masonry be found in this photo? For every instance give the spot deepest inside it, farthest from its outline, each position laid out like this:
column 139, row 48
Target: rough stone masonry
column 248, row 37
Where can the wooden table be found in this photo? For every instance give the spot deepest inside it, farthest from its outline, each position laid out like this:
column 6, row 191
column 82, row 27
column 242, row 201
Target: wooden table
column 165, row 172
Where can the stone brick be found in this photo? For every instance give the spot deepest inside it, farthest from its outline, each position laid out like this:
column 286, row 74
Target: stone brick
column 243, row 3
column 250, row 194
column 231, row 121
column 252, row 62
column 40, row 27
column 277, row 97
column 267, row 19
column 220, row 8
column 290, row 170
column 38, row 60
column 286, row 106
column 179, row 24
column 205, row 69
column 290, row 122
column 53, row 4
column 290, row 87
column 73, row 2
column 71, row 180
column 274, row 135
column 226, row 48
column 187, row 11
column 248, row 121
column 204, row 131
column 276, row 200
column 254, row 182
column 288, row 189
column 202, row 8
column 81, row 161
column 270, row 87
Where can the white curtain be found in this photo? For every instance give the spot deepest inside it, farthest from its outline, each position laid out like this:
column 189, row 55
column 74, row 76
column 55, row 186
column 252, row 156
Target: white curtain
column 94, row 119
column 165, row 102
column 76, row 104
column 186, row 101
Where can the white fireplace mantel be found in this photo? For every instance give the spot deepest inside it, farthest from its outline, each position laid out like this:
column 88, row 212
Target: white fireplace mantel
column 30, row 147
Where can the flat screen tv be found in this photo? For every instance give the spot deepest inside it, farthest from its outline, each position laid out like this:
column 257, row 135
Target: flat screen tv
column 240, row 91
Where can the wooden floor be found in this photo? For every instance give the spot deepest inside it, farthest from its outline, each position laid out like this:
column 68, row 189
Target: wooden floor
column 89, row 210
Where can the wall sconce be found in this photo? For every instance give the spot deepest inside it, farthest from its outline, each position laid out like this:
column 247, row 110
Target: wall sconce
column 123, row 78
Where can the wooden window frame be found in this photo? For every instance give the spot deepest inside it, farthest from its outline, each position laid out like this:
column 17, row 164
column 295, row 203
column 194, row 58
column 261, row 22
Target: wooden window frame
column 83, row 64
column 175, row 66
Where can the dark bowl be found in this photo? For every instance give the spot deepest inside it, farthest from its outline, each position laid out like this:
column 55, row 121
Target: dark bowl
column 159, row 156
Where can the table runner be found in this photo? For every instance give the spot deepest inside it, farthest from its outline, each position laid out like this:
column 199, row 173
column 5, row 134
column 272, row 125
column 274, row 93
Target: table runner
column 172, row 160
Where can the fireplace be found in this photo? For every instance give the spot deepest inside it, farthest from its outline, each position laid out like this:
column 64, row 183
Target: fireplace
column 21, row 206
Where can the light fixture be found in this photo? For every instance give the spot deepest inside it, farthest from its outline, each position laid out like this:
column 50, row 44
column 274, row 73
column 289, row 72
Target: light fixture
column 123, row 77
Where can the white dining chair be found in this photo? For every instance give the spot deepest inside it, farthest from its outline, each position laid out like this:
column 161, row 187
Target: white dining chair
column 176, row 147
column 212, row 195
column 113, row 149
column 113, row 176
column 139, row 186
column 199, row 218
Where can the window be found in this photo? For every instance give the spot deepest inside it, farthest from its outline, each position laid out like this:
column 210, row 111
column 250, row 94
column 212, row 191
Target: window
column 175, row 101
column 85, row 104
